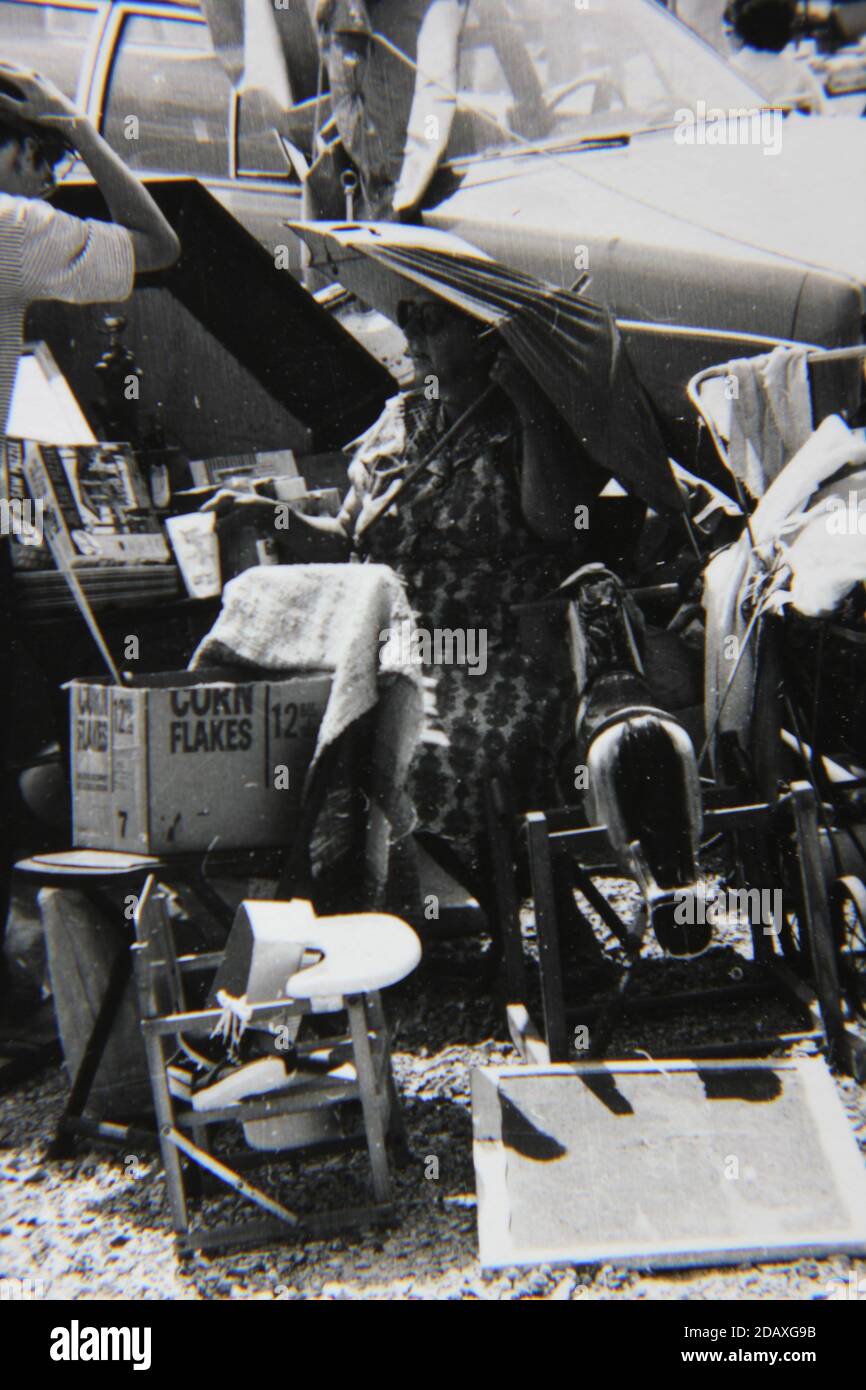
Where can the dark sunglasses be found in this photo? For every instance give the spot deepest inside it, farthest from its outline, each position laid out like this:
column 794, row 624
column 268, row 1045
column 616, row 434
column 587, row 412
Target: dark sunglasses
column 422, row 317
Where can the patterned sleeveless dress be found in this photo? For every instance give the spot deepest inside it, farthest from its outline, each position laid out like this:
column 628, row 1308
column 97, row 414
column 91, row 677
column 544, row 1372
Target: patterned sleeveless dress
column 466, row 555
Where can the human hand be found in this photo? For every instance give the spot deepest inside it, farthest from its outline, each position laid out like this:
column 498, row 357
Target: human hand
column 28, row 96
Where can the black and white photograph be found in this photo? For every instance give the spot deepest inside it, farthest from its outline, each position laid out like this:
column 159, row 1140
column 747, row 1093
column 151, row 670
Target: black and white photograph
column 433, row 666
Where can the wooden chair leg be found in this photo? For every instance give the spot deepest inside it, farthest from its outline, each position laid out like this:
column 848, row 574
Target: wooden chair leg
column 549, row 954
column 501, row 849
column 818, row 929
column 171, row 1162
column 371, row 1103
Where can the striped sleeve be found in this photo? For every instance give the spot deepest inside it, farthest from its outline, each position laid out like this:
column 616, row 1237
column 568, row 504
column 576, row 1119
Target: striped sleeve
column 79, row 262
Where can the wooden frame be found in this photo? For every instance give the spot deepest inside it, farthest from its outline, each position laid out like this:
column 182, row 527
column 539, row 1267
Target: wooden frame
column 562, row 832
column 760, row 1239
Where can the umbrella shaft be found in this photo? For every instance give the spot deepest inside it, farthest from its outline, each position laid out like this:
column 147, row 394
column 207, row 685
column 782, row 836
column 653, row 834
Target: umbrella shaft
column 423, row 464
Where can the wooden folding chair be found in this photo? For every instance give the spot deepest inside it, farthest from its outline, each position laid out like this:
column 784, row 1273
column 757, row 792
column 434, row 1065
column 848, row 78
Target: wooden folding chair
column 358, row 956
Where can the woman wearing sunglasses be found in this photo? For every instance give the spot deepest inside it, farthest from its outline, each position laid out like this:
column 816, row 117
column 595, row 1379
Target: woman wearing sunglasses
column 487, row 524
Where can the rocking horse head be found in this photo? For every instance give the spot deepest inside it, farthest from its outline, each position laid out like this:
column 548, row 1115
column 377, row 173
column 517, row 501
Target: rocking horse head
column 643, row 783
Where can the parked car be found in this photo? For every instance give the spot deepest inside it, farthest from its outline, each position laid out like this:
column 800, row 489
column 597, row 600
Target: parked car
column 704, row 250
column 709, row 237
column 151, row 80
column 832, row 84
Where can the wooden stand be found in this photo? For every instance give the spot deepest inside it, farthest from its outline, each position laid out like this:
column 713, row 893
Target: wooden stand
column 558, row 832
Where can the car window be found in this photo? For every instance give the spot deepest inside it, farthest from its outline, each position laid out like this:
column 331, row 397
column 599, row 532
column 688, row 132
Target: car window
column 553, row 68
column 51, row 38
column 260, row 152
column 167, row 104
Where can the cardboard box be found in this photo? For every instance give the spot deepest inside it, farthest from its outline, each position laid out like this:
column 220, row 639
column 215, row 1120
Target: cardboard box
column 191, row 760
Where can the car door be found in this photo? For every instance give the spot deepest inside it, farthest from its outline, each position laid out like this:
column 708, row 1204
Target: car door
column 165, row 103
column 59, row 39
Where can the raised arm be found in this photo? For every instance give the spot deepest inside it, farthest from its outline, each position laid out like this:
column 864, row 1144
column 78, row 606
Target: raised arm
column 554, row 476
column 41, row 104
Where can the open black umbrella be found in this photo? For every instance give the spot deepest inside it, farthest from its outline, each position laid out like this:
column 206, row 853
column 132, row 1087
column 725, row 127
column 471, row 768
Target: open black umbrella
column 570, row 345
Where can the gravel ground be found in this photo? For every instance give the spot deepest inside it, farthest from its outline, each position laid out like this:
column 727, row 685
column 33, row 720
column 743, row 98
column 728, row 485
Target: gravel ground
column 97, row 1226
